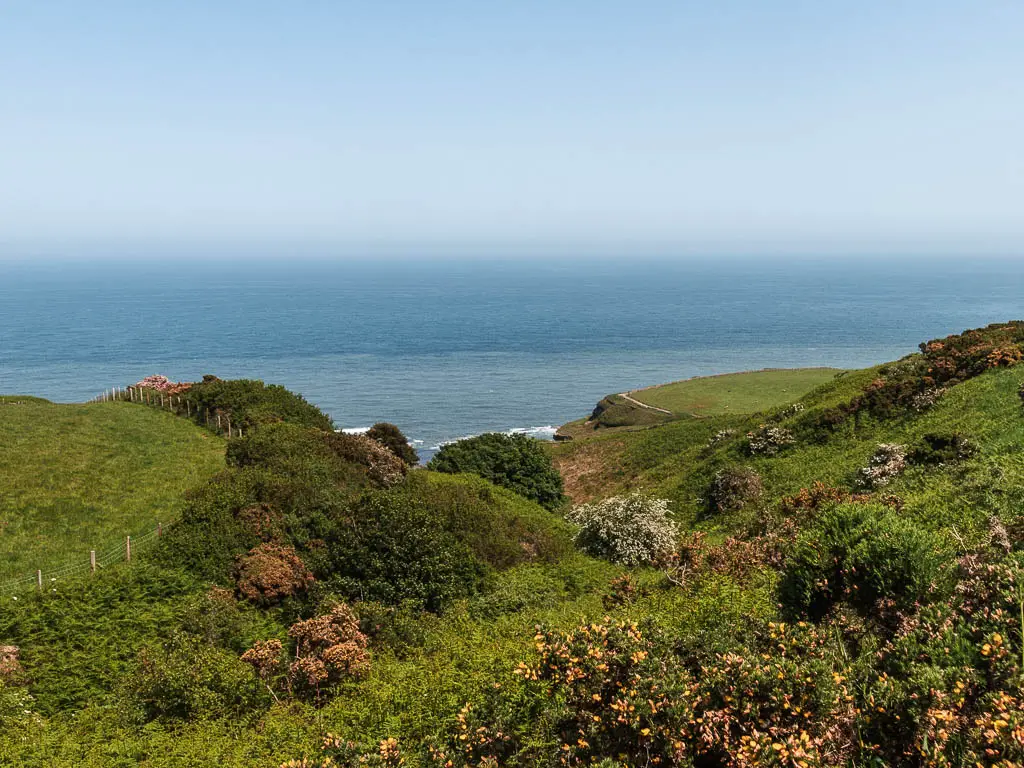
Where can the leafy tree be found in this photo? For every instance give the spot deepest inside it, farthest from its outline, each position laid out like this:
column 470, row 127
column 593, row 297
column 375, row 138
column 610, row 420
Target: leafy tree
column 391, row 437
column 396, row 548
column 516, row 462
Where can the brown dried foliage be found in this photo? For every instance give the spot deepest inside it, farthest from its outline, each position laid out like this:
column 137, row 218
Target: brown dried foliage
column 270, row 573
column 383, row 467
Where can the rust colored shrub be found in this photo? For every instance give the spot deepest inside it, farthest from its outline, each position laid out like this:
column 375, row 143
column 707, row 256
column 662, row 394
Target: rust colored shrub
column 383, row 467
column 270, row 573
column 622, row 591
column 9, row 664
column 265, row 657
column 810, row 500
column 263, row 521
column 327, row 650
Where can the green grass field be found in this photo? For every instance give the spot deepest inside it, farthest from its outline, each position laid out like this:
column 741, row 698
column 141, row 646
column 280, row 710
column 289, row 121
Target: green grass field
column 747, row 392
column 80, row 477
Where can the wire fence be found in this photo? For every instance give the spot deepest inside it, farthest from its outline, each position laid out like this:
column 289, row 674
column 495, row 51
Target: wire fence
column 214, row 419
column 91, row 562
column 48, row 578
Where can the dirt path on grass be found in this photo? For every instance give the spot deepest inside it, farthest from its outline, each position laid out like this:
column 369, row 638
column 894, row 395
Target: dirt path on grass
column 625, row 396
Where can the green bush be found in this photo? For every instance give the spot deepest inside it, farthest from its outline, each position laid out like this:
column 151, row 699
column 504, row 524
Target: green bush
column 862, row 554
column 516, row 462
column 501, row 528
column 216, row 618
column 400, row 628
column 187, row 680
column 395, row 548
column 436, row 538
column 326, row 458
column 942, row 448
column 391, row 437
column 250, row 403
column 209, row 535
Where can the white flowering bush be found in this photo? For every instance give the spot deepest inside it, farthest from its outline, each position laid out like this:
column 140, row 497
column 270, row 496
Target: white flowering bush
column 789, row 411
column 922, row 401
column 631, row 529
column 888, row 461
column 720, row 437
column 769, row 440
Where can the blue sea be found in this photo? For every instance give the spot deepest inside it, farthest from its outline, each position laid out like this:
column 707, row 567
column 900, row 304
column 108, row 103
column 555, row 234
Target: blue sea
column 450, row 348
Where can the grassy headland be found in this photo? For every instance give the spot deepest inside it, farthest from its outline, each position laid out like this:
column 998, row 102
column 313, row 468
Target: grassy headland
column 746, row 392
column 699, row 397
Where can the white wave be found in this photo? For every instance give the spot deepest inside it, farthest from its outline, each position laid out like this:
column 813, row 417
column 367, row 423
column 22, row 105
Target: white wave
column 547, row 432
column 355, row 430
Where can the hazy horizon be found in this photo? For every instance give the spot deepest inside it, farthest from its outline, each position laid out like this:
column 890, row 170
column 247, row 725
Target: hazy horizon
column 568, row 128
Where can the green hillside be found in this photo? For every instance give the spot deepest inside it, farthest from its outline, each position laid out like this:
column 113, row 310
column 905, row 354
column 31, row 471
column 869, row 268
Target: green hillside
column 746, row 392
column 81, row 477
column 832, row 582
column 700, row 397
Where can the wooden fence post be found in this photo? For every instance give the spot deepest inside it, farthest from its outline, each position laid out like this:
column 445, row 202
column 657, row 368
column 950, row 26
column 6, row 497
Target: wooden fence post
column 39, row 579
column 159, row 530
column 128, row 549
column 92, row 560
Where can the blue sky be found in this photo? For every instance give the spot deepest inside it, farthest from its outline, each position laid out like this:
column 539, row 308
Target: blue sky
column 891, row 125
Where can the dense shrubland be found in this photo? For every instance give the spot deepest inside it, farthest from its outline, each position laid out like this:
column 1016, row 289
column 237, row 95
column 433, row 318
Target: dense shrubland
column 750, row 607
column 516, row 462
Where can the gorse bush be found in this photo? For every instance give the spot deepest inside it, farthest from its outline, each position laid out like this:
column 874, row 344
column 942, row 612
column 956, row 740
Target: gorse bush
column 861, row 554
column 391, row 437
column 616, row 693
column 516, row 462
column 632, row 530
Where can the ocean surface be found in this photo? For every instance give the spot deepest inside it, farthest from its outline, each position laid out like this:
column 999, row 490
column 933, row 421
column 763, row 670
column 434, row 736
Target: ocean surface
column 450, row 348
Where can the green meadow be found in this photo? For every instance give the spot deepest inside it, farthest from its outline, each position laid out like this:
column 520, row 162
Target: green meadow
column 75, row 478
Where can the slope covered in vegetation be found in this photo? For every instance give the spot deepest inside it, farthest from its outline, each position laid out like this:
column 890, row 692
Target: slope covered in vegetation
column 832, row 582
column 702, row 396
column 81, row 477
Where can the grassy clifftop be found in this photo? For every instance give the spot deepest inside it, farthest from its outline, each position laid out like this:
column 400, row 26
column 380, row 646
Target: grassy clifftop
column 699, row 397
column 80, row 477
